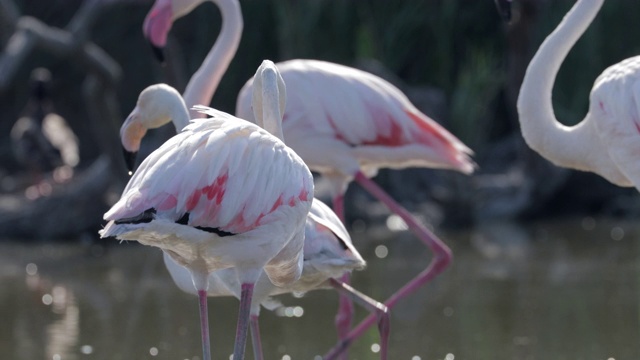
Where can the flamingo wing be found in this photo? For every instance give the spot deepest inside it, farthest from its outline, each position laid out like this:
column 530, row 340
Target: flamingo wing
column 321, row 214
column 328, row 249
column 359, row 110
column 222, row 173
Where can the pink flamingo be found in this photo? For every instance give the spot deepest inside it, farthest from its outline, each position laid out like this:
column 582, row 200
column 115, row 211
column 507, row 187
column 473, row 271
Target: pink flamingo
column 328, row 250
column 223, row 193
column 328, row 254
column 606, row 142
column 355, row 124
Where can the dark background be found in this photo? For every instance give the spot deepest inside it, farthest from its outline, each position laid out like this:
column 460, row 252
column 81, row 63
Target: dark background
column 456, row 59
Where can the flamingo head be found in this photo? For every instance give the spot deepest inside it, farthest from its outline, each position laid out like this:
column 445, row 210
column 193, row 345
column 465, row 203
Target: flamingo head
column 158, row 21
column 156, row 107
column 266, row 77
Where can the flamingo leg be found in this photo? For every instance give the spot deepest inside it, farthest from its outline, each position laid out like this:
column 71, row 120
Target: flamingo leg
column 204, row 324
column 442, row 256
column 255, row 338
column 246, row 295
column 344, row 317
column 338, row 206
column 380, row 311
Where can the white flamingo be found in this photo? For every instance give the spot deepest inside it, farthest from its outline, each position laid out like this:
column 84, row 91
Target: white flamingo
column 223, row 193
column 328, row 250
column 607, row 140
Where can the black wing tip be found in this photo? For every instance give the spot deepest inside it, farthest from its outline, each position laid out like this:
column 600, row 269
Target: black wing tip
column 130, row 159
column 145, row 217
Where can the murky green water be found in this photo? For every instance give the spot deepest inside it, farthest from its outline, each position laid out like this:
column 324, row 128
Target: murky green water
column 549, row 290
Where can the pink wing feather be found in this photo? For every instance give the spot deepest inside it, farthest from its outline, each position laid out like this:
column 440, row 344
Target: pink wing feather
column 358, row 109
column 226, row 172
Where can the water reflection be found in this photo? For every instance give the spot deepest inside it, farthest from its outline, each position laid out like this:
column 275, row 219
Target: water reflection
column 560, row 290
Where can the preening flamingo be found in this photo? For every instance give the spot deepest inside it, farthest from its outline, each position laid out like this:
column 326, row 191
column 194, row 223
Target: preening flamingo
column 328, row 254
column 345, row 124
column 607, row 140
column 328, row 250
column 223, row 193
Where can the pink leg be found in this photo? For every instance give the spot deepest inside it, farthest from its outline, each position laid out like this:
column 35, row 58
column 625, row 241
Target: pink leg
column 380, row 311
column 344, row 317
column 243, row 321
column 255, row 338
column 441, row 253
column 338, row 206
column 204, row 324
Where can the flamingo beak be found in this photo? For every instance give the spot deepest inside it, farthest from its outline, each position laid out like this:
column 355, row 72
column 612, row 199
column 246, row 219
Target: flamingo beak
column 159, row 53
column 504, row 8
column 130, row 159
column 157, row 25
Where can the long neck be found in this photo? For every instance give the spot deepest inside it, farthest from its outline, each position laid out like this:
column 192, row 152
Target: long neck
column 179, row 115
column 206, row 79
column 539, row 126
column 271, row 116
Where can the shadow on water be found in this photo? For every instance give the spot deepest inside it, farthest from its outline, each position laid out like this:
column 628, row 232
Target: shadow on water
column 547, row 290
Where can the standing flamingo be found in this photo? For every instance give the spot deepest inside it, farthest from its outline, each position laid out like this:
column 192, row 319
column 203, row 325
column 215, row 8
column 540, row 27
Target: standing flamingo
column 607, row 141
column 328, row 250
column 345, row 123
column 223, row 193
column 356, row 124
column 328, row 254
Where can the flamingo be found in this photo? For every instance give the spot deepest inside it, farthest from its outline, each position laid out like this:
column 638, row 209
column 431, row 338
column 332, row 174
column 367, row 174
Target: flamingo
column 223, row 193
column 606, row 140
column 328, row 254
column 41, row 139
column 345, row 123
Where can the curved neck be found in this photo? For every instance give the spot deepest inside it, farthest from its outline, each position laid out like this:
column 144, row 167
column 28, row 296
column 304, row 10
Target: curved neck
column 206, row 79
column 538, row 122
column 180, row 116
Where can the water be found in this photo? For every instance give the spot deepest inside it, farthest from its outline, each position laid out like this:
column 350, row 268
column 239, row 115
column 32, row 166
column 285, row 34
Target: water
column 548, row 290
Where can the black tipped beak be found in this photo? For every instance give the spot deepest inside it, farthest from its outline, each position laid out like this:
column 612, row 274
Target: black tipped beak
column 504, row 8
column 159, row 53
column 130, row 159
